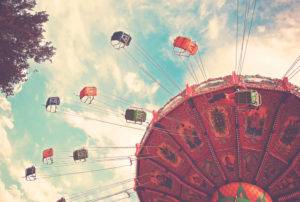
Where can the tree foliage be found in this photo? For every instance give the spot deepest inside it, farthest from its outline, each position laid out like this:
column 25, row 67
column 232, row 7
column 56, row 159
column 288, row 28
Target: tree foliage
column 21, row 39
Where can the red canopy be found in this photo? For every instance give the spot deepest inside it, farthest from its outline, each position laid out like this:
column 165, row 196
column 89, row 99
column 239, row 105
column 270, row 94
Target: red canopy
column 186, row 44
column 47, row 153
column 88, row 91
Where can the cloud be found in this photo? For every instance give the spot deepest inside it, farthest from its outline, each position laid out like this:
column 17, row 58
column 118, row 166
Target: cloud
column 40, row 190
column 78, row 21
column 6, row 123
column 109, row 71
column 137, row 85
column 4, row 104
column 5, row 145
column 271, row 49
column 43, row 190
column 215, row 25
column 203, row 9
column 108, row 135
column 90, row 124
column 84, row 55
column 220, row 3
column 10, row 194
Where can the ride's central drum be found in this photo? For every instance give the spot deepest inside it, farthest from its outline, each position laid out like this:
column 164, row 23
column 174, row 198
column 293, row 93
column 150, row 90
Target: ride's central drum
column 205, row 143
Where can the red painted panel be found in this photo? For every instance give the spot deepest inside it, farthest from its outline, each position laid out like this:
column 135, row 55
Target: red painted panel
column 193, row 178
column 289, row 182
column 162, row 148
column 269, row 171
column 185, row 132
column 156, row 178
column 153, row 196
column 192, row 196
column 250, row 160
column 285, row 142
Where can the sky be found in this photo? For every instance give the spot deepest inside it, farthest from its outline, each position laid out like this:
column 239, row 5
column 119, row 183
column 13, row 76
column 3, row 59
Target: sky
column 81, row 31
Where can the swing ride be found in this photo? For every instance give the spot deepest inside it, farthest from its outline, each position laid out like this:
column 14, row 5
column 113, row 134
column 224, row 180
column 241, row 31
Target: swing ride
column 231, row 138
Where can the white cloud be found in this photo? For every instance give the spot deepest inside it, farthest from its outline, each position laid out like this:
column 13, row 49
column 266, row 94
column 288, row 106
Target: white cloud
column 203, row 9
column 10, row 194
column 5, row 145
column 220, row 3
column 104, row 131
column 79, row 62
column 152, row 106
column 270, row 50
column 6, row 123
column 77, row 21
column 215, row 26
column 138, row 86
column 108, row 70
column 40, row 190
column 4, row 104
column 261, row 29
column 106, row 134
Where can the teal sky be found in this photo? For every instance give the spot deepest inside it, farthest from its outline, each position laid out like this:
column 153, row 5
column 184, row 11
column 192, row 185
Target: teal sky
column 81, row 31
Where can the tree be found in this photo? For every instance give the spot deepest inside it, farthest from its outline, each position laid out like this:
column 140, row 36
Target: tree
column 21, row 39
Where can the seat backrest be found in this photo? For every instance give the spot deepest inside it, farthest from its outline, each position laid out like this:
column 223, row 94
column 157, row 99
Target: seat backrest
column 61, row 200
column 80, row 154
column 30, row 171
column 53, row 101
column 141, row 115
column 129, row 114
column 121, row 37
